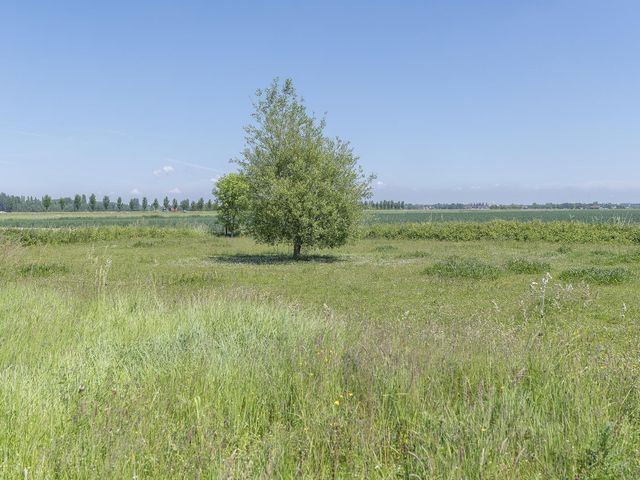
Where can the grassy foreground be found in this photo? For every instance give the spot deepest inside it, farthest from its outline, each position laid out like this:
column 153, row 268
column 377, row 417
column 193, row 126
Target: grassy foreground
column 194, row 356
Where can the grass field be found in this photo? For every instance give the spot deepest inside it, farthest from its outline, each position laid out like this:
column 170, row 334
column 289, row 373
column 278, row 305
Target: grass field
column 164, row 353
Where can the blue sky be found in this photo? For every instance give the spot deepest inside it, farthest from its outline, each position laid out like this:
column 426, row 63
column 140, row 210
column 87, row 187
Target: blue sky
column 494, row 101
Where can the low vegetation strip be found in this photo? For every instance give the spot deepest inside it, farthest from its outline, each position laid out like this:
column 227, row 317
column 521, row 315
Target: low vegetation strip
column 560, row 232
column 102, row 219
column 457, row 267
column 463, row 267
column 601, row 276
column 59, row 236
column 42, row 269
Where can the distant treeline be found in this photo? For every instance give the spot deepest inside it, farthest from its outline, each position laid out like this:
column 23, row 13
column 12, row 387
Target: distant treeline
column 82, row 203
column 566, row 206
column 395, row 205
column 387, row 205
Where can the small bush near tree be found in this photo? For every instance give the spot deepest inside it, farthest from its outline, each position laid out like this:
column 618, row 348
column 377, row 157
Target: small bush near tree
column 232, row 202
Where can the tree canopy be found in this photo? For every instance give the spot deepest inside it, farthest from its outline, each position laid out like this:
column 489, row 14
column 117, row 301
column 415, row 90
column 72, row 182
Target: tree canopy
column 46, row 202
column 303, row 188
column 232, row 201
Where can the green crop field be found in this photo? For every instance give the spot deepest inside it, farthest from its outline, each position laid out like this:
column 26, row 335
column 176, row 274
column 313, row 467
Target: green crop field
column 205, row 220
column 145, row 352
column 371, row 217
column 555, row 215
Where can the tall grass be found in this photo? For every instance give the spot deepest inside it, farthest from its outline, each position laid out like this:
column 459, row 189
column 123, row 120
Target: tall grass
column 135, row 385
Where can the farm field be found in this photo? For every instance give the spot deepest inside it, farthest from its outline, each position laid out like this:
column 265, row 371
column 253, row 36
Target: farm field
column 554, row 215
column 206, row 220
column 372, row 217
column 171, row 352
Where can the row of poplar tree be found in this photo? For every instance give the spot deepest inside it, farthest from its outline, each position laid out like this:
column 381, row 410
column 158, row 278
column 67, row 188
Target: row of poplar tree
column 80, row 203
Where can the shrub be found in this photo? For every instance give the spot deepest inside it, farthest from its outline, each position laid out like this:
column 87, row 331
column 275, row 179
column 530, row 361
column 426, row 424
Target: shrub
column 385, row 248
column 142, row 244
column 523, row 265
column 602, row 276
column 463, row 267
column 42, row 269
column 414, row 254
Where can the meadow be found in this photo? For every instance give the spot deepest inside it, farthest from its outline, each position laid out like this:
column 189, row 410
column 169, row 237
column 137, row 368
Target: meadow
column 162, row 351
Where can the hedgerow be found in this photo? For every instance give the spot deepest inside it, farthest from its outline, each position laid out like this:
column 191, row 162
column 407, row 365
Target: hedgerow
column 60, row 236
column 559, row 232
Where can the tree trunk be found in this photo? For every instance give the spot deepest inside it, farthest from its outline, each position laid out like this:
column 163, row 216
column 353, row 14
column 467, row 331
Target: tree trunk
column 297, row 245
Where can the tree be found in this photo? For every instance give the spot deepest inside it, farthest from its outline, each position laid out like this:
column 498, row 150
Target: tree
column 209, row 205
column 134, row 204
column 232, row 201
column 145, row 203
column 174, row 204
column 46, row 202
column 166, row 203
column 119, row 204
column 304, row 188
column 184, row 204
column 200, row 204
column 61, row 202
column 156, row 204
column 93, row 202
column 77, row 202
column 106, row 202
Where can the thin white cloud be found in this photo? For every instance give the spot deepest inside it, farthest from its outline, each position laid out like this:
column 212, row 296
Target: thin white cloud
column 108, row 131
column 175, row 190
column 135, row 191
column 195, row 165
column 380, row 183
column 165, row 170
column 608, row 185
column 29, row 133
